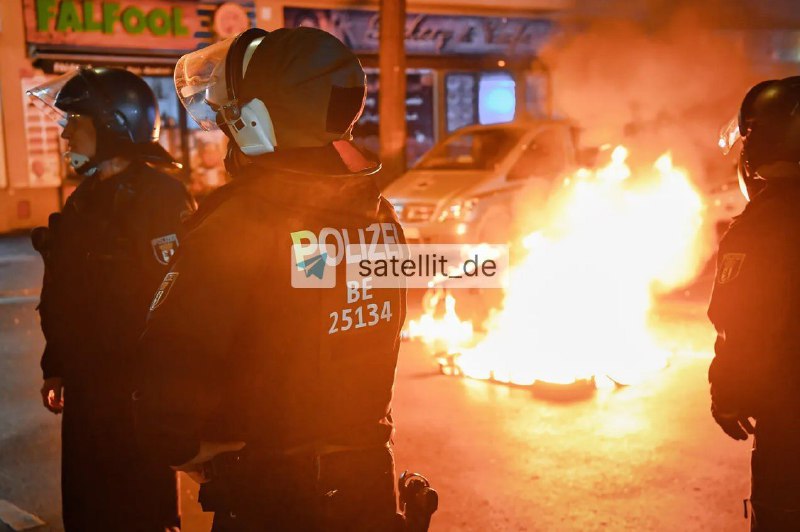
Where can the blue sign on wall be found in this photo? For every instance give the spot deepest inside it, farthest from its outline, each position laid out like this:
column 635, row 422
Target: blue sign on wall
column 430, row 34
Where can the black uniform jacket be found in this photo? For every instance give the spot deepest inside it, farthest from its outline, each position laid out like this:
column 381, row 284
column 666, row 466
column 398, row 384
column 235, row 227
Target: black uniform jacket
column 105, row 255
column 236, row 353
column 755, row 307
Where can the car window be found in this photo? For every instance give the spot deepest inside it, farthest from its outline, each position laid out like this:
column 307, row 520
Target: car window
column 544, row 156
column 476, row 150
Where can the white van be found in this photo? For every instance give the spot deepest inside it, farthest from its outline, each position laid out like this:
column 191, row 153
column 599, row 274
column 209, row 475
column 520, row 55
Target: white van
column 482, row 182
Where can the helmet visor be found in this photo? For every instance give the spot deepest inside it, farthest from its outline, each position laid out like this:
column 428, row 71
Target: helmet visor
column 200, row 82
column 729, row 135
column 56, row 102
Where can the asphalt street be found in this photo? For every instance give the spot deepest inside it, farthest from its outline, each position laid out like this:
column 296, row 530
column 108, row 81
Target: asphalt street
column 645, row 457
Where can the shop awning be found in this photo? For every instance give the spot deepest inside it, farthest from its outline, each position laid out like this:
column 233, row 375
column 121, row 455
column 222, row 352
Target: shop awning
column 56, row 62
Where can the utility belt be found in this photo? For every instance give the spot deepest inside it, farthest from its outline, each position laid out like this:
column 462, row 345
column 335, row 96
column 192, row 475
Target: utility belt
column 245, row 480
column 232, row 478
column 245, row 462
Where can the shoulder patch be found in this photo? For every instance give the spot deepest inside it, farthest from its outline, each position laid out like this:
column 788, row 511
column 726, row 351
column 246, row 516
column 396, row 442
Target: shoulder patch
column 163, row 290
column 164, row 247
column 729, row 267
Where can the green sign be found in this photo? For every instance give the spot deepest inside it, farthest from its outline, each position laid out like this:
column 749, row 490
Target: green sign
column 67, row 16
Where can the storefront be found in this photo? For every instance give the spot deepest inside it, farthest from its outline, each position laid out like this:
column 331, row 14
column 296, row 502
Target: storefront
column 145, row 36
column 462, row 69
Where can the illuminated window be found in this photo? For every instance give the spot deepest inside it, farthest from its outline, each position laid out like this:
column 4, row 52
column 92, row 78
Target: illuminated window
column 479, row 98
column 496, row 98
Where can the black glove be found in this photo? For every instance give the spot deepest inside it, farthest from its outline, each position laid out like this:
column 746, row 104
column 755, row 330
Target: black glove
column 737, row 426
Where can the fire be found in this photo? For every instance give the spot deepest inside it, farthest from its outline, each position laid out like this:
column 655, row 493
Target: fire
column 442, row 334
column 578, row 304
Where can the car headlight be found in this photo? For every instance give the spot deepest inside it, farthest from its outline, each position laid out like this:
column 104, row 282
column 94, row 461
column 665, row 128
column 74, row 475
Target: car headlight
column 459, row 210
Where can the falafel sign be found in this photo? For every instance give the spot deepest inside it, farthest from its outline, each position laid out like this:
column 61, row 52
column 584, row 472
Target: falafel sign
column 132, row 26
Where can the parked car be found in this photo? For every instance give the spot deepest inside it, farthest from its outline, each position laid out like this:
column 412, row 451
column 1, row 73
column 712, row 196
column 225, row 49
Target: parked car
column 482, row 182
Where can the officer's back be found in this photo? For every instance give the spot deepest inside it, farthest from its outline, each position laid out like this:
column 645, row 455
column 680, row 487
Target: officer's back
column 289, row 370
column 253, row 344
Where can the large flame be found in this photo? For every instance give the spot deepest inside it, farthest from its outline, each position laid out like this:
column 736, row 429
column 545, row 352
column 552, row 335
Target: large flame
column 577, row 306
column 441, row 329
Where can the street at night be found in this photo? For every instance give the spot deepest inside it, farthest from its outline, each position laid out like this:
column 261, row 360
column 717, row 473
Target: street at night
column 644, row 457
column 399, row 265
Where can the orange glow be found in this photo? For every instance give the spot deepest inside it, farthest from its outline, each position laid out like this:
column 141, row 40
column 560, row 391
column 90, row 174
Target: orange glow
column 578, row 303
column 441, row 332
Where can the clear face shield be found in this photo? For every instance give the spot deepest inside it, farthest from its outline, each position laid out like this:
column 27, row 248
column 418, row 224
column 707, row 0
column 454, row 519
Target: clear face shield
column 58, row 98
column 201, row 84
column 51, row 98
column 729, row 135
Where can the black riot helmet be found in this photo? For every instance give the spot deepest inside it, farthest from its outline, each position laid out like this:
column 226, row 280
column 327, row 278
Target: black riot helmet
column 122, row 107
column 769, row 125
column 289, row 88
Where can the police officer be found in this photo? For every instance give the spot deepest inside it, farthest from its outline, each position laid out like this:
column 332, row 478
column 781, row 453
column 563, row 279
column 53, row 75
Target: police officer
column 755, row 304
column 105, row 254
column 273, row 378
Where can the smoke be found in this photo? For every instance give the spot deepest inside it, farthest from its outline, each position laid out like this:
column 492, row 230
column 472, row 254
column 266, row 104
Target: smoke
column 659, row 75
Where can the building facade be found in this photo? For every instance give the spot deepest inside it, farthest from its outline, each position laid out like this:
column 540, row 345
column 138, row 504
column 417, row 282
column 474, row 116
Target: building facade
column 468, row 62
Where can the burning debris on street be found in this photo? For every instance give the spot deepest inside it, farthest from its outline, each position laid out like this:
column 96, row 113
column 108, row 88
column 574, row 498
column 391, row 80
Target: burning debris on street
column 576, row 308
column 544, row 252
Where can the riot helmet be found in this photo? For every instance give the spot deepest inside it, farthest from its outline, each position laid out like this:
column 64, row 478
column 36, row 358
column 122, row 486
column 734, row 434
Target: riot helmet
column 289, row 88
column 768, row 124
column 122, row 108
